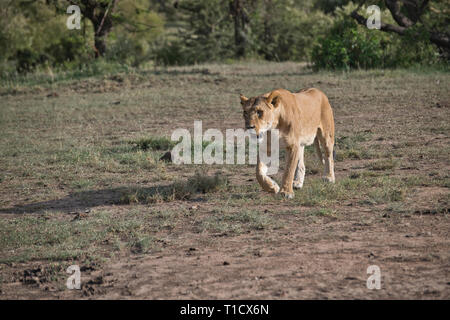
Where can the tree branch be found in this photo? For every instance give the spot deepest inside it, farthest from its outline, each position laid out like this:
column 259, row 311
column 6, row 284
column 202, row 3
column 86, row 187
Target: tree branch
column 384, row 26
column 394, row 8
column 440, row 39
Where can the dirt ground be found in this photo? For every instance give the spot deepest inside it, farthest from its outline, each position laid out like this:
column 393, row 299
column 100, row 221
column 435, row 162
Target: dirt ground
column 389, row 206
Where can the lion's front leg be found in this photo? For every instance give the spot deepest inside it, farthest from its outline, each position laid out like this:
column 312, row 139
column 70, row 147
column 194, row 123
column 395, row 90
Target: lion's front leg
column 267, row 183
column 288, row 176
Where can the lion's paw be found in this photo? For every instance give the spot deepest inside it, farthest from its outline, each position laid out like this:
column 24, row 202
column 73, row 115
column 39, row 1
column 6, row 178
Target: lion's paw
column 297, row 185
column 276, row 188
column 328, row 179
column 286, row 194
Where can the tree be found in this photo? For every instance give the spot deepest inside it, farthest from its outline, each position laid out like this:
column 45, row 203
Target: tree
column 417, row 16
column 329, row 6
column 241, row 21
column 33, row 34
column 99, row 12
column 106, row 14
column 136, row 28
column 205, row 32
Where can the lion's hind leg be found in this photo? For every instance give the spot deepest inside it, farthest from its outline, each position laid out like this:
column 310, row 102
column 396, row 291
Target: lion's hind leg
column 318, row 151
column 327, row 143
column 299, row 177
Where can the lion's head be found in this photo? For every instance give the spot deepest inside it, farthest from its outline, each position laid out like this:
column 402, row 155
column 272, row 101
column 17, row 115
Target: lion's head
column 259, row 113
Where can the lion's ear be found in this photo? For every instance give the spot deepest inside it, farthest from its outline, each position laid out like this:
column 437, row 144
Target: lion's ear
column 274, row 99
column 244, row 99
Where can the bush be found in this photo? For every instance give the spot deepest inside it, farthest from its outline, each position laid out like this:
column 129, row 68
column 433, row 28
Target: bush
column 348, row 45
column 137, row 28
column 172, row 53
column 412, row 49
column 290, row 33
column 205, row 34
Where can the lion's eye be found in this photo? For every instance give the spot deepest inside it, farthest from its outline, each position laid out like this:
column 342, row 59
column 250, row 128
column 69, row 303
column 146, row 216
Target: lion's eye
column 260, row 113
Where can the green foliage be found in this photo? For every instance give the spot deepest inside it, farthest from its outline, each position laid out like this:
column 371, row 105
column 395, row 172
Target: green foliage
column 137, row 27
column 412, row 49
column 170, row 53
column 329, row 6
column 348, row 45
column 278, row 30
column 33, row 34
column 205, row 34
column 290, row 30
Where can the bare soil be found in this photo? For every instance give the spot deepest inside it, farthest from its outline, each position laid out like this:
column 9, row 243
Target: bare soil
column 302, row 252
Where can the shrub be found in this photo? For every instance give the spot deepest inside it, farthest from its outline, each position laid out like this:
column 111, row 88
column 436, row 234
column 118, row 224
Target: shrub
column 290, row 33
column 348, row 45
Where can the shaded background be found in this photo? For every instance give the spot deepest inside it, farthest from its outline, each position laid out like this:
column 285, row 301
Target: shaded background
column 117, row 34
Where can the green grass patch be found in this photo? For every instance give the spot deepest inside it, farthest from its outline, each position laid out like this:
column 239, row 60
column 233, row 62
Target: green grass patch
column 350, row 147
column 322, row 212
column 153, row 143
column 94, row 237
column 382, row 165
column 360, row 187
column 200, row 183
column 225, row 220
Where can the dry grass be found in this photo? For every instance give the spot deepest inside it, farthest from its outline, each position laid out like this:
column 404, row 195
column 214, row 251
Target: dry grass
column 96, row 145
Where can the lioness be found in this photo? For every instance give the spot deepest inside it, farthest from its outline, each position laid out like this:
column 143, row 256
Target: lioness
column 302, row 118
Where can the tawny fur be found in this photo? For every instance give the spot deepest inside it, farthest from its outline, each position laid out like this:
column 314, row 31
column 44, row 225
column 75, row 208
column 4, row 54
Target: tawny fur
column 302, row 118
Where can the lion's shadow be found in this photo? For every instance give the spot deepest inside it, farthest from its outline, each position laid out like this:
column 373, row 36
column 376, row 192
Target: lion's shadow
column 84, row 200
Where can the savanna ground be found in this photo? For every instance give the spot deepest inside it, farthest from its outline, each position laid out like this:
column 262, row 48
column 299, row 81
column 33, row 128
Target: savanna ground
column 81, row 183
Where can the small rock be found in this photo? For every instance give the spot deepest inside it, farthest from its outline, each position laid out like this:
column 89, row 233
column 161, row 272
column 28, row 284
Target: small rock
column 226, row 263
column 80, row 216
column 97, row 280
column 167, row 157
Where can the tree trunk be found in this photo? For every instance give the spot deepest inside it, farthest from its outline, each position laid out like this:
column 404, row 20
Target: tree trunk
column 101, row 34
column 100, row 46
column 240, row 27
column 268, row 35
column 99, row 13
